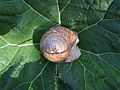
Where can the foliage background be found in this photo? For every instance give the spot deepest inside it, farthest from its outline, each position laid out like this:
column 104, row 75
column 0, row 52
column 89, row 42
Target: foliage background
column 22, row 23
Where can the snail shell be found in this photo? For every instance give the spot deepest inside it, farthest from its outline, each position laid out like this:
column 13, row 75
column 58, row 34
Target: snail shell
column 59, row 43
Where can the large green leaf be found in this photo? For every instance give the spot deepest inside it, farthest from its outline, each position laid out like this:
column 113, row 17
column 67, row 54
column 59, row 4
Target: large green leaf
column 23, row 22
column 79, row 14
column 98, row 68
column 114, row 10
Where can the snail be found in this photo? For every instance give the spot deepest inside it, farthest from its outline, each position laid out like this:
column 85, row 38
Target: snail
column 60, row 44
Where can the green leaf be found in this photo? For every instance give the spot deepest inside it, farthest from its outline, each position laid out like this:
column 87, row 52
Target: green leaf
column 114, row 10
column 23, row 67
column 79, row 14
column 17, row 45
column 47, row 8
column 98, row 66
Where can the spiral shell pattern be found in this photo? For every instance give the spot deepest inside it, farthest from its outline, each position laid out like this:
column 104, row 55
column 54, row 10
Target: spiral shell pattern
column 57, row 42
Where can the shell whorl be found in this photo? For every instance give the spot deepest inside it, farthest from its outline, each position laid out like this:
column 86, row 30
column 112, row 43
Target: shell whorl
column 57, row 42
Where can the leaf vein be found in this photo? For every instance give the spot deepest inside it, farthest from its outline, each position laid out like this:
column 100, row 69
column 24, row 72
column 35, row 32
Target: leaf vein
column 38, row 75
column 65, row 6
column 4, row 39
column 10, row 60
column 107, row 30
column 36, row 11
column 59, row 16
column 102, row 59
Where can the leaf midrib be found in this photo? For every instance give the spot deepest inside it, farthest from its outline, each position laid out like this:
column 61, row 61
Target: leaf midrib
column 98, row 55
column 38, row 12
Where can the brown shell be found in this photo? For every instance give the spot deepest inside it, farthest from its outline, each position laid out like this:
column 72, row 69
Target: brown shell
column 57, row 42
